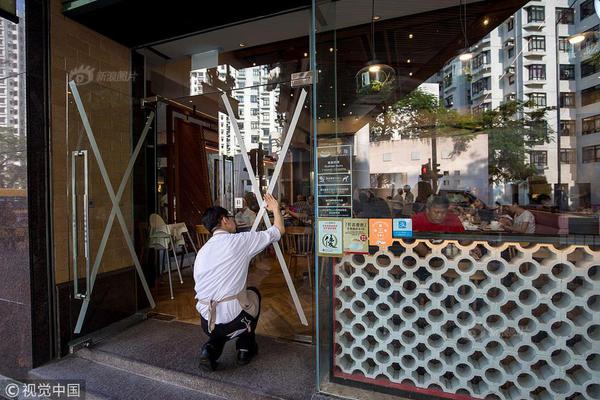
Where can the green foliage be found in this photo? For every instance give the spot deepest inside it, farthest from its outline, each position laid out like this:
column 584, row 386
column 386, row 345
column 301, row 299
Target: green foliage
column 513, row 129
column 13, row 170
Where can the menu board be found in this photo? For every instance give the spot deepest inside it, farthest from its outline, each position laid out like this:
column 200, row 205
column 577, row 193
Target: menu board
column 334, row 185
column 330, row 237
column 380, row 232
column 356, row 235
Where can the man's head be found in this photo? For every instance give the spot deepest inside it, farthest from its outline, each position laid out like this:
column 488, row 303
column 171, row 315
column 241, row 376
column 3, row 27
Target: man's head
column 300, row 198
column 406, row 188
column 437, row 208
column 218, row 218
column 515, row 209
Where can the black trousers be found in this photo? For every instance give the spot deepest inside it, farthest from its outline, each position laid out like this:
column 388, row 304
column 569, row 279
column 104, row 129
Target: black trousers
column 243, row 327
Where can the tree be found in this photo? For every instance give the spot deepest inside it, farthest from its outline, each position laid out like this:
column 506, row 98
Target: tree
column 13, row 169
column 513, row 129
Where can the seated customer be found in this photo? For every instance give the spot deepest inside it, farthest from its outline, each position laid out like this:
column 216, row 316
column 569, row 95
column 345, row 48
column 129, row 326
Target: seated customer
column 245, row 217
column 436, row 217
column 523, row 220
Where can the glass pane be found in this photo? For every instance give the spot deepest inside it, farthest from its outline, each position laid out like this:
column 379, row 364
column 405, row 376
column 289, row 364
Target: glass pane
column 456, row 241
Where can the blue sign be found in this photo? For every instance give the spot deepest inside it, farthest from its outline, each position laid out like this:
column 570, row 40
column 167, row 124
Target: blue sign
column 402, row 227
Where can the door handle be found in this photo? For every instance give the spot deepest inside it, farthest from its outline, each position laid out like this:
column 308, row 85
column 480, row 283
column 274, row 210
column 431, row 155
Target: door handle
column 74, row 223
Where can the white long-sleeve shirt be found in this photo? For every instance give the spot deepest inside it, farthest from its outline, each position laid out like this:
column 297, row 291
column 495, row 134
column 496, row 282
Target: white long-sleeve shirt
column 221, row 268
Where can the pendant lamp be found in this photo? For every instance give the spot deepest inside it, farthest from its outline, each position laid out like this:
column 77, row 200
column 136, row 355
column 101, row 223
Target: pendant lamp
column 375, row 77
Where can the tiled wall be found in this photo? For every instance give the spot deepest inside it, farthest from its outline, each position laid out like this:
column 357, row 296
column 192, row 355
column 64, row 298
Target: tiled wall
column 105, row 91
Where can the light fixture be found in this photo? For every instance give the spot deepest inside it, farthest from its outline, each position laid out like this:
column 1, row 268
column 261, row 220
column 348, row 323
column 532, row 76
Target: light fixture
column 410, row 74
column 242, row 44
column 577, row 38
column 376, row 17
column 465, row 55
column 375, row 77
column 410, row 36
column 408, row 61
column 305, row 54
column 486, row 21
column 331, row 49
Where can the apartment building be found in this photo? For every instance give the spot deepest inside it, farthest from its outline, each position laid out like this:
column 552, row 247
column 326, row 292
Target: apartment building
column 257, row 108
column 529, row 58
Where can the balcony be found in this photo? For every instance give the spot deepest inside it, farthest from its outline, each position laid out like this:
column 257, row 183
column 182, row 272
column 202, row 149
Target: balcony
column 478, row 95
column 534, row 25
column 509, row 42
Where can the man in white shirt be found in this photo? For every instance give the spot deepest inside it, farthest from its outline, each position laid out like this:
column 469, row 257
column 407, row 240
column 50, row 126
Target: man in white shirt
column 227, row 309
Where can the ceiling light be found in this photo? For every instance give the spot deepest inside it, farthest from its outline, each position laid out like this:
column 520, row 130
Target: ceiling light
column 375, row 76
column 577, row 38
column 254, row 64
column 466, row 56
column 305, row 54
column 410, row 36
column 242, row 44
column 486, row 22
column 408, row 61
column 410, row 74
column 331, row 49
column 376, row 17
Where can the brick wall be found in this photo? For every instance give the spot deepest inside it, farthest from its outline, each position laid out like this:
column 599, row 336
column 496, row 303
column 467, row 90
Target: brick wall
column 108, row 104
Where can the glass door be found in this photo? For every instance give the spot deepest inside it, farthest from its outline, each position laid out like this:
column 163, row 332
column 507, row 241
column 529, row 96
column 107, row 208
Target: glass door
column 104, row 277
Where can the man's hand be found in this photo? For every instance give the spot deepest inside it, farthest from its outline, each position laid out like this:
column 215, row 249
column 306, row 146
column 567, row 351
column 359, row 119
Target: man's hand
column 271, row 203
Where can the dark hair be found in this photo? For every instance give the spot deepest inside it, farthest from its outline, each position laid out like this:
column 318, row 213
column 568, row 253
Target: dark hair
column 438, row 201
column 212, row 217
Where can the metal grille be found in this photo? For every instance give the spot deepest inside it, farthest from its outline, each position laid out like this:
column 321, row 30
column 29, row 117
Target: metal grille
column 489, row 320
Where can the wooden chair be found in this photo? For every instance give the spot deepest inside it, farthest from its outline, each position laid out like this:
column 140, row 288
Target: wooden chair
column 299, row 244
column 202, row 235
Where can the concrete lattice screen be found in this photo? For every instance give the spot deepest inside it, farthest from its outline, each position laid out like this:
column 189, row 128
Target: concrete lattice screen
column 488, row 320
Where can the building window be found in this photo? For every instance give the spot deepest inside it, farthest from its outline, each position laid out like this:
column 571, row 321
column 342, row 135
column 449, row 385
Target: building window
column 510, row 25
column 567, row 128
column 415, row 155
column 449, row 101
column 254, row 139
column 511, row 52
column 586, row 9
column 481, row 85
column 590, row 125
column 568, row 156
column 387, row 157
column 537, row 72
column 253, row 124
column 567, row 99
column 253, row 98
column 563, row 44
column 590, row 95
column 591, row 154
column 536, row 14
column 256, row 72
column 511, row 79
column 589, row 67
column 265, row 101
column 538, row 99
column 539, row 158
column 567, row 72
column 565, row 15
column 448, row 79
column 481, row 59
column 537, row 43
column 254, row 111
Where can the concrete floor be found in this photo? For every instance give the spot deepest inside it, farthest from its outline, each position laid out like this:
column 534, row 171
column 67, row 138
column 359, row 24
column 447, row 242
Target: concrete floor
column 158, row 360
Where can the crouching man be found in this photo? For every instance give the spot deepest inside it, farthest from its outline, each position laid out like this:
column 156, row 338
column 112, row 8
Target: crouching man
column 227, row 309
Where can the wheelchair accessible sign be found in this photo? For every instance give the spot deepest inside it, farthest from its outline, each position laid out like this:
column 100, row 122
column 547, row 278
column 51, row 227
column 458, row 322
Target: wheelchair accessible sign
column 402, row 228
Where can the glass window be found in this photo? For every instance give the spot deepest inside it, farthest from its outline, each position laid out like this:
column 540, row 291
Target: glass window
column 254, row 111
column 564, row 45
column 536, row 14
column 568, row 156
column 567, row 72
column 591, row 154
column 537, row 72
column 590, row 125
column 253, row 124
column 586, row 9
column 568, row 128
column 481, row 59
column 567, row 99
column 537, row 43
column 538, row 99
column 590, row 95
column 480, row 85
column 565, row 15
column 589, row 67
column 254, row 98
column 511, row 52
column 510, row 25
column 539, row 158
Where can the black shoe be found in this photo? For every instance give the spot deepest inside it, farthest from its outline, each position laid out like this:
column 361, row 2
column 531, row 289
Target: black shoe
column 207, row 362
column 244, row 356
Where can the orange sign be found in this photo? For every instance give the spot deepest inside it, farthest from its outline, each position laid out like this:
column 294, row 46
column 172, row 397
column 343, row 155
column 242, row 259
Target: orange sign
column 380, row 232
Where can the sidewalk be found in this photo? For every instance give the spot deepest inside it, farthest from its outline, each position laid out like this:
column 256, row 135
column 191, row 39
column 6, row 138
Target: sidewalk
column 158, row 360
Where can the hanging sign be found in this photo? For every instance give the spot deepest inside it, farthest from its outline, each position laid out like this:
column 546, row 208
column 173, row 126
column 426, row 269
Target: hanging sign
column 402, row 228
column 380, row 232
column 356, row 235
column 330, row 237
column 334, row 182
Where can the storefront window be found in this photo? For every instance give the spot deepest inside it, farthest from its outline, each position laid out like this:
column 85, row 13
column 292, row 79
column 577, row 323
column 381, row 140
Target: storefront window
column 458, row 236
